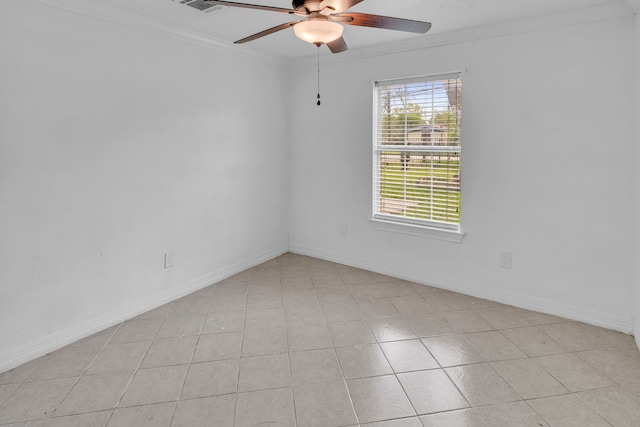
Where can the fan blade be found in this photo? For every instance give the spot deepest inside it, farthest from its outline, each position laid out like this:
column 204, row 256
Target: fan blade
column 256, row 6
column 385, row 22
column 339, row 5
column 338, row 45
column 267, row 32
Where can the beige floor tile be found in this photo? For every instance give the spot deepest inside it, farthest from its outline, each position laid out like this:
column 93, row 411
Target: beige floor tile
column 325, row 404
column 567, row 411
column 218, row 347
column 83, row 397
column 493, row 346
column 6, row 390
column 452, row 350
column 234, row 301
column 264, row 372
column 191, row 305
column 412, row 305
column 572, row 372
column 379, row 398
column 265, row 407
column 158, row 415
column 613, row 364
column 170, row 351
column 269, row 318
column 432, row 391
column 20, row 373
column 326, row 296
column 481, row 385
column 137, row 330
column 119, row 357
column 155, row 385
column 262, row 342
column 350, row 333
column 502, row 317
column 93, row 419
column 365, row 290
column 303, row 315
column 360, row 279
column 392, row 329
column 528, row 379
column 216, row 411
column 178, row 326
column 36, row 400
column 619, row 405
column 360, row 361
column 608, row 337
column 442, row 300
column 397, row 288
column 459, row 418
column 230, row 287
column 308, row 337
column 327, row 281
column 65, row 363
column 416, row 340
column 293, row 282
column 315, row 366
column 514, row 414
column 400, row 422
column 430, row 325
column 211, row 379
column 533, row 342
column 465, row 321
column 298, row 297
column 263, row 301
column 572, row 336
column 227, row 321
column 407, row 356
column 375, row 308
column 340, row 311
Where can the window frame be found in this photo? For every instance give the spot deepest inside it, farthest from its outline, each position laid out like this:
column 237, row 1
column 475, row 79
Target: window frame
column 441, row 230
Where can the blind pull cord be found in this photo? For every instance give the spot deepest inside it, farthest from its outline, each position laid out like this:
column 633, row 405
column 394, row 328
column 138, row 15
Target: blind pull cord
column 318, row 73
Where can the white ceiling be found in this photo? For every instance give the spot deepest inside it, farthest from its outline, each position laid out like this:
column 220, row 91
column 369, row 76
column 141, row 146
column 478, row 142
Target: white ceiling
column 447, row 16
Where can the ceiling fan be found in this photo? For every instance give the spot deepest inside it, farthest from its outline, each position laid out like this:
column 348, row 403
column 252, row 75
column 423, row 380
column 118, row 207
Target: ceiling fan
column 322, row 21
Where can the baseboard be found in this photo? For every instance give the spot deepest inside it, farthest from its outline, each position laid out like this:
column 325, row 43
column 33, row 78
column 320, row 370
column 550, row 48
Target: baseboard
column 636, row 332
column 59, row 339
column 580, row 314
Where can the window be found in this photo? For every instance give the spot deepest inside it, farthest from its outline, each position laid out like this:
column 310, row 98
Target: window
column 417, row 133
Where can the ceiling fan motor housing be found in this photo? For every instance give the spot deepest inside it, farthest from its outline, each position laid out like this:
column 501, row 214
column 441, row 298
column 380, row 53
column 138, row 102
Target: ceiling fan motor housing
column 310, row 5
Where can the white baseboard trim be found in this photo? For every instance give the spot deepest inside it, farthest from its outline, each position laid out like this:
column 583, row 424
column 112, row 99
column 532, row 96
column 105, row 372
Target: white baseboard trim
column 636, row 332
column 59, row 339
column 591, row 317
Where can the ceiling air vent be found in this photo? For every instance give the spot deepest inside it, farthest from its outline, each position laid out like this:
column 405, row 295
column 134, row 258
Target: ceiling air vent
column 200, row 5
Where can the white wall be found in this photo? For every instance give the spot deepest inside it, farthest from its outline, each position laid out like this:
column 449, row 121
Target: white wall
column 637, row 189
column 547, row 171
column 117, row 145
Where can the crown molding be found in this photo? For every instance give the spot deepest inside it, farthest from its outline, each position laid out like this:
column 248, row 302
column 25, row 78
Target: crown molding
column 129, row 19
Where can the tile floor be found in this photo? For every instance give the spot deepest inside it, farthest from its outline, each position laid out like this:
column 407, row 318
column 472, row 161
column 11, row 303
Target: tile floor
column 302, row 342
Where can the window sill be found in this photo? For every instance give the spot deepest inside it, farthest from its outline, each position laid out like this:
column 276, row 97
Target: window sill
column 418, row 230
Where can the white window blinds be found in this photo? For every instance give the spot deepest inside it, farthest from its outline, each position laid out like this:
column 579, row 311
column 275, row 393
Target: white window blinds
column 417, row 133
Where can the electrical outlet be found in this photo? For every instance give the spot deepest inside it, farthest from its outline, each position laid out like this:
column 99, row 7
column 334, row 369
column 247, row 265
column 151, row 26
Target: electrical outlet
column 169, row 258
column 505, row 260
column 343, row 232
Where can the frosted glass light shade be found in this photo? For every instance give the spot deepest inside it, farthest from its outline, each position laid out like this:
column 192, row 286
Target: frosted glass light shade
column 320, row 31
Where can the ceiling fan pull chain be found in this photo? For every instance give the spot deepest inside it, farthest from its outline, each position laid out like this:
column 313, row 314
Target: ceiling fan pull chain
column 318, row 74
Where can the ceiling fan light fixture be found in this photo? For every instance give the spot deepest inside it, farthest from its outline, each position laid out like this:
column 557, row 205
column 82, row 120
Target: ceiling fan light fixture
column 318, row 31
